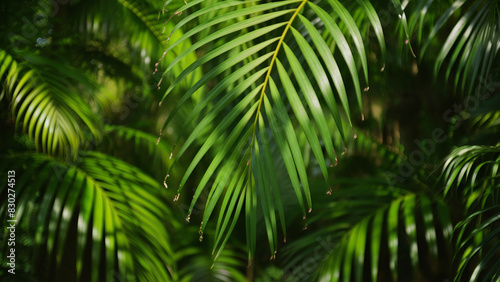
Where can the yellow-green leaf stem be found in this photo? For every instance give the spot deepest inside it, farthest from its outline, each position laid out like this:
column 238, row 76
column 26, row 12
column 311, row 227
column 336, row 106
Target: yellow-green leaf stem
column 273, row 59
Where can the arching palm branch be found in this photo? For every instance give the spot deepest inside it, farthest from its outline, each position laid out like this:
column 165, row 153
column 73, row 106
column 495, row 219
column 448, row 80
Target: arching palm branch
column 471, row 46
column 363, row 221
column 281, row 93
column 39, row 90
column 272, row 49
column 471, row 172
column 98, row 211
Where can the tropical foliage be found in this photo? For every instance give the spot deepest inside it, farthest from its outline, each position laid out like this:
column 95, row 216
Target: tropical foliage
column 308, row 140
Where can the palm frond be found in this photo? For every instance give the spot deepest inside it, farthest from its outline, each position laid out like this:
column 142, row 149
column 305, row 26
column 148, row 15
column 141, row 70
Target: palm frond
column 108, row 212
column 471, row 47
column 147, row 25
column 280, row 60
column 369, row 231
column 44, row 100
column 473, row 172
column 478, row 247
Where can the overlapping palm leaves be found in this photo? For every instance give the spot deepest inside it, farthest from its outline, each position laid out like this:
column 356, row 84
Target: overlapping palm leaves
column 116, row 210
column 55, row 120
column 472, row 45
column 471, row 172
column 111, row 211
column 255, row 55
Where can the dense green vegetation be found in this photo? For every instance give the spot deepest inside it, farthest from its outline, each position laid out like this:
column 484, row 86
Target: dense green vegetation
column 250, row 140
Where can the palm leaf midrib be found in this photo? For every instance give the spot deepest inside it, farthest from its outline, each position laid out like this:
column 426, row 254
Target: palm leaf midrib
column 271, row 64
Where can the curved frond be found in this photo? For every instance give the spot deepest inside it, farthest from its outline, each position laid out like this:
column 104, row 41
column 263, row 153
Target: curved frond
column 271, row 77
column 97, row 212
column 473, row 171
column 197, row 265
column 478, row 246
column 485, row 120
column 369, row 232
column 44, row 100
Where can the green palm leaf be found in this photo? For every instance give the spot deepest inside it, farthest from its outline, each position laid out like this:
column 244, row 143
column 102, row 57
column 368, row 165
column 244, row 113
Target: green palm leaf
column 265, row 41
column 38, row 90
column 364, row 220
column 107, row 210
column 473, row 171
column 471, row 47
